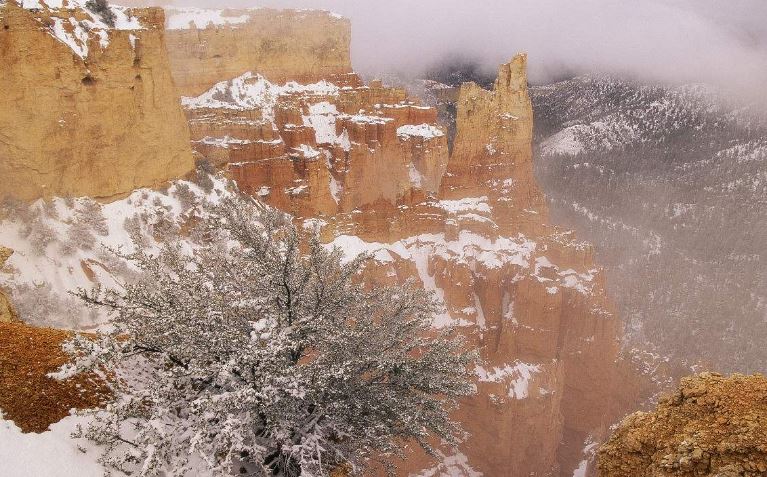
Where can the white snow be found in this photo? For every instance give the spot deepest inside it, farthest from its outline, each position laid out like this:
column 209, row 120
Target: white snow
column 580, row 282
column 416, row 178
column 322, row 117
column 57, row 274
column 307, row 151
column 469, row 248
column 353, row 246
column 450, row 466
column 564, row 142
column 186, row 18
column 224, row 142
column 468, row 204
column 517, row 375
column 583, row 466
column 365, row 119
column 250, row 91
column 51, row 454
column 76, row 34
column 335, row 189
column 588, row 452
column 344, row 141
column 426, row 131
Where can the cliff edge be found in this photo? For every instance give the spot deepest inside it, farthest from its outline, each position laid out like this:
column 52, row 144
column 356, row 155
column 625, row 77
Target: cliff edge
column 712, row 425
column 207, row 46
column 87, row 107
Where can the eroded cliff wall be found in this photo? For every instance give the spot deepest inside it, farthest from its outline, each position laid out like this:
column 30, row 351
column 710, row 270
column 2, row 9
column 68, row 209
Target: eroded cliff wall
column 369, row 166
column 86, row 109
column 208, row 46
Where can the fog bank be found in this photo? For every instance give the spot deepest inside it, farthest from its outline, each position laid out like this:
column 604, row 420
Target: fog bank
column 668, row 40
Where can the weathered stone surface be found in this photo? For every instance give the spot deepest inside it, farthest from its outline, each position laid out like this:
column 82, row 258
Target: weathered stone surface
column 282, row 45
column 99, row 125
column 712, row 425
column 553, row 379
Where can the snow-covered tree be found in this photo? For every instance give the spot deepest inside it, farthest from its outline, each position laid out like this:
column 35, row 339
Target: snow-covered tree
column 262, row 352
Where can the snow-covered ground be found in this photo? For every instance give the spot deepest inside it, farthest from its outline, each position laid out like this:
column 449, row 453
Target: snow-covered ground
column 66, row 244
column 184, row 18
column 670, row 184
column 51, row 454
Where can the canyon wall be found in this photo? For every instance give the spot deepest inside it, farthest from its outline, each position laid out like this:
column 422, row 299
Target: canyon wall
column 369, row 166
column 86, row 109
column 207, row 46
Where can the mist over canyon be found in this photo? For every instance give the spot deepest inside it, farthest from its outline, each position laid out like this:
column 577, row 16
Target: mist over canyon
column 421, row 239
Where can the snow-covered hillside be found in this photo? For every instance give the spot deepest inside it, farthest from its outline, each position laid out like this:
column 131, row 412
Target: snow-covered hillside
column 671, row 185
column 66, row 244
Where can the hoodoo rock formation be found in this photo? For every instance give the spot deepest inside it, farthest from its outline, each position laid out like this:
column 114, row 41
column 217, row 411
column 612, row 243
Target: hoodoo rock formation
column 206, row 46
column 86, row 108
column 713, row 425
column 321, row 148
column 370, row 166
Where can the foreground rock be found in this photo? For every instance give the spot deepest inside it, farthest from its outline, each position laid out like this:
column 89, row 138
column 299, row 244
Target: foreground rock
column 86, row 108
column 712, row 425
column 28, row 397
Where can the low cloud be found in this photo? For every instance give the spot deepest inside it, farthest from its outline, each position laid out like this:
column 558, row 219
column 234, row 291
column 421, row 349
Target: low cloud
column 715, row 41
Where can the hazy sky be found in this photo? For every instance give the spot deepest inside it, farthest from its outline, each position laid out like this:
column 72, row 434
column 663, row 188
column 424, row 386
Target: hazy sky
column 723, row 41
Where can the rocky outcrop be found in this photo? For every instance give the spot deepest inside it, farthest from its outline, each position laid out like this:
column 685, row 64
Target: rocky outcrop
column 7, row 313
column 712, row 425
column 28, row 395
column 86, row 109
column 527, row 295
column 207, row 46
column 323, row 148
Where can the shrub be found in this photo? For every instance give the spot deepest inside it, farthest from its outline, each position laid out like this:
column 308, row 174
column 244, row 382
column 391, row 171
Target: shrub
column 262, row 354
column 102, row 9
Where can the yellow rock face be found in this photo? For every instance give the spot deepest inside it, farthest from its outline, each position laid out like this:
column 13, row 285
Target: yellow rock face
column 100, row 125
column 282, row 45
column 712, row 425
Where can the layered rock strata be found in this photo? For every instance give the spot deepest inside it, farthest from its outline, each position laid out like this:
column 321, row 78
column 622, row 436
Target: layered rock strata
column 330, row 147
column 86, row 108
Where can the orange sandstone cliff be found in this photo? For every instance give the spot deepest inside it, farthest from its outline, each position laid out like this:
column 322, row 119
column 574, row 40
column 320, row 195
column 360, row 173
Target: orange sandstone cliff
column 369, row 165
column 86, row 109
column 207, row 46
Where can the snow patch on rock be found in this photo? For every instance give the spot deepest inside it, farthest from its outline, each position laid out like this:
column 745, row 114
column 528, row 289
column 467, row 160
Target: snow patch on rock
column 425, row 131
